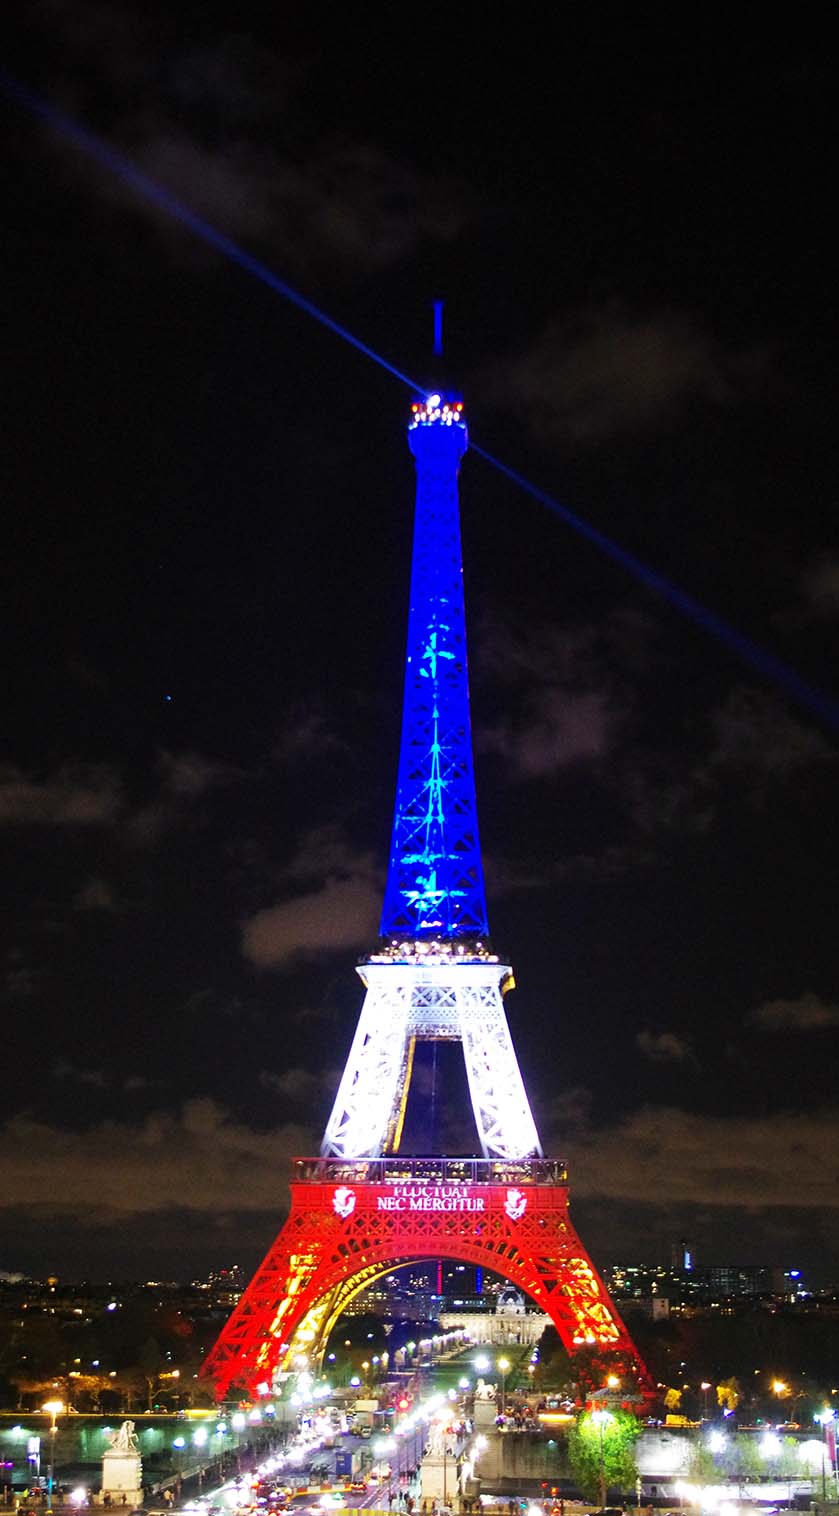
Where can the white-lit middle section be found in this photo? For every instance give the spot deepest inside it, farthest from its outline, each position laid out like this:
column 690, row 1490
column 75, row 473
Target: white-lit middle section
column 452, row 995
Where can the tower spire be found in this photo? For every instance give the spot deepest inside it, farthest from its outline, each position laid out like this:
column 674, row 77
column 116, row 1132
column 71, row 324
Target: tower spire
column 435, row 884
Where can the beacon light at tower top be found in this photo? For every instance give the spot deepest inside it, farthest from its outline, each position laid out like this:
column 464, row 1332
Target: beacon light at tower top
column 435, row 409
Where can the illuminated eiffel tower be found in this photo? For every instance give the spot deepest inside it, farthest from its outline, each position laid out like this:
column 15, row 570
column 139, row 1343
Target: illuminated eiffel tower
column 360, row 1210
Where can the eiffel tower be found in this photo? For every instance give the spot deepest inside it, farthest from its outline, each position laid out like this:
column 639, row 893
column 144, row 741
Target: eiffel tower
column 360, row 1209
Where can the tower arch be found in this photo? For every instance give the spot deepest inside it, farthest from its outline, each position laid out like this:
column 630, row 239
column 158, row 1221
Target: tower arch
column 341, row 1237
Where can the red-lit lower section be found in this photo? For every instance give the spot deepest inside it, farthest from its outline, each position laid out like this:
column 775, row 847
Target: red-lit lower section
column 339, row 1238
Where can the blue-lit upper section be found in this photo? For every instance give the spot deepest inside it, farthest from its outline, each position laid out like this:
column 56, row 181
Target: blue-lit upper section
column 435, row 883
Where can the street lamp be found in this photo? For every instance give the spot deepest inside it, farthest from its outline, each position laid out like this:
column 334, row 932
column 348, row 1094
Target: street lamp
column 503, row 1366
column 53, row 1409
column 601, row 1419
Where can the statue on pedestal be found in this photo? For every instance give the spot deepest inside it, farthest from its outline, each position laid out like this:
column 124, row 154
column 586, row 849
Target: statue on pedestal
column 122, row 1468
column 125, row 1440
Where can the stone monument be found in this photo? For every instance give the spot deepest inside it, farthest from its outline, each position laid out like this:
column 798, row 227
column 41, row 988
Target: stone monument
column 122, row 1468
column 485, row 1406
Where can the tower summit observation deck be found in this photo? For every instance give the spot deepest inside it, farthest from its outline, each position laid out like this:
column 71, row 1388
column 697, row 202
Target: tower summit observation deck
column 362, row 1208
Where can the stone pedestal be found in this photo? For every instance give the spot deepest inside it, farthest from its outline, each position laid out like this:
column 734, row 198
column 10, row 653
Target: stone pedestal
column 484, row 1414
column 439, row 1481
column 122, row 1477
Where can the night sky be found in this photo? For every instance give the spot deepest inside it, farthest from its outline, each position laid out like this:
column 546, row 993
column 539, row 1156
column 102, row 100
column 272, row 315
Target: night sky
column 207, row 504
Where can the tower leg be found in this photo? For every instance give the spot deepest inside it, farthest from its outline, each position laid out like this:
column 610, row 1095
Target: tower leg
column 368, row 1102
column 499, row 1100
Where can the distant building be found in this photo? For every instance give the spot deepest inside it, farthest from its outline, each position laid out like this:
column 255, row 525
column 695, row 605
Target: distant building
column 685, row 1285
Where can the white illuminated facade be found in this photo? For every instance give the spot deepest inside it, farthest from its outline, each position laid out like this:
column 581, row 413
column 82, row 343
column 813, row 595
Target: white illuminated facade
column 431, row 995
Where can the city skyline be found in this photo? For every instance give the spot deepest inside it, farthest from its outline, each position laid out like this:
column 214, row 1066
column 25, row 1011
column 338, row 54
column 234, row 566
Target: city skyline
column 209, row 549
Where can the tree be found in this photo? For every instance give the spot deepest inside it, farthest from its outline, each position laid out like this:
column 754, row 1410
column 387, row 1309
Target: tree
column 151, row 1363
column 728, row 1394
column 606, row 1447
column 702, row 1467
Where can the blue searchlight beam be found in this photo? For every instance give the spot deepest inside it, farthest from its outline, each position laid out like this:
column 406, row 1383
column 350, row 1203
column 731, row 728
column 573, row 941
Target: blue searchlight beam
column 116, row 163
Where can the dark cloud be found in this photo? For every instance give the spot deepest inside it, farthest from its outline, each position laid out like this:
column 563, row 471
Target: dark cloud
column 664, row 1047
column 96, row 1078
column 757, row 734
column 570, row 1111
column 557, row 728
column 659, row 801
column 809, row 1012
column 197, row 1160
column 307, row 734
column 567, row 700
column 73, row 796
column 301, row 1086
column 341, row 914
column 211, row 125
column 99, row 1079
column 687, row 1159
column 96, row 894
column 821, row 586
column 611, row 371
column 188, row 775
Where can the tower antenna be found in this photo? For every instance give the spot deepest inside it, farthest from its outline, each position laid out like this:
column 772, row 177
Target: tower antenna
column 438, row 328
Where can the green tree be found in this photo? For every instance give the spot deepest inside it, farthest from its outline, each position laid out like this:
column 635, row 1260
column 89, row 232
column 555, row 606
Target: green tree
column 728, row 1394
column 603, row 1448
column 749, row 1462
column 702, row 1468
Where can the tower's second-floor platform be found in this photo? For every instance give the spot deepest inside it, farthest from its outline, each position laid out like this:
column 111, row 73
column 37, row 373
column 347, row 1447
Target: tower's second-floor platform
column 434, row 1171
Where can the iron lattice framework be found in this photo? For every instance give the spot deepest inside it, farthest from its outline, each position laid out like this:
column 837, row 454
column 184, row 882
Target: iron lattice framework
column 357, row 1213
column 429, row 993
column 435, row 882
column 350, row 1223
